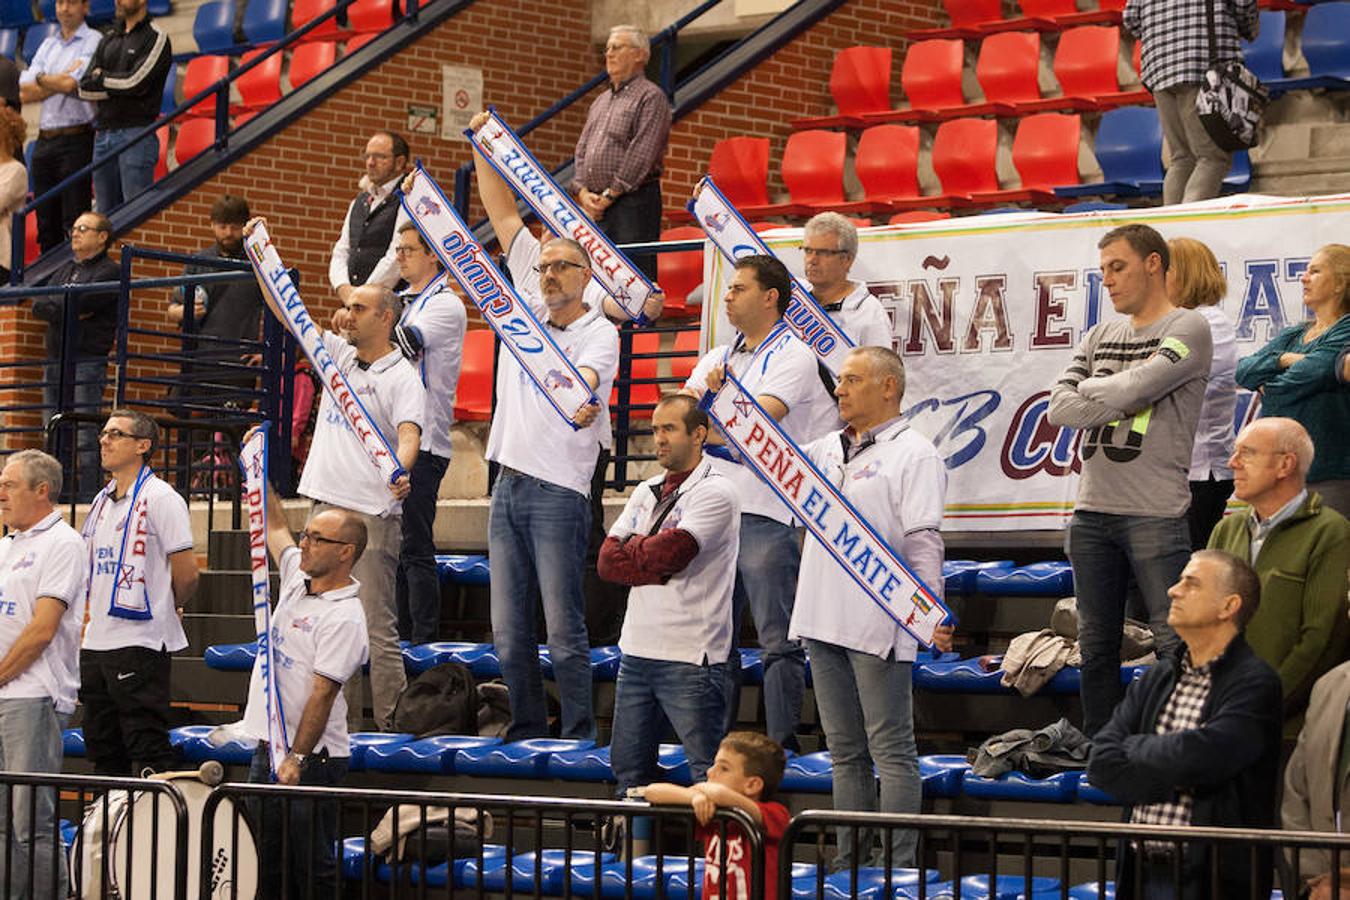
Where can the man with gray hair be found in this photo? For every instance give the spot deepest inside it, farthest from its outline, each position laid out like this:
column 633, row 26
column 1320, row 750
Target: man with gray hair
column 617, row 175
column 1300, row 548
column 830, row 245
column 43, row 572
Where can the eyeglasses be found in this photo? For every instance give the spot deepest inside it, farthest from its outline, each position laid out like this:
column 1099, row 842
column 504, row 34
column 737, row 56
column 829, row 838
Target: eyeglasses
column 82, row 229
column 114, row 434
column 557, row 267
column 310, row 536
column 405, row 251
column 818, row 251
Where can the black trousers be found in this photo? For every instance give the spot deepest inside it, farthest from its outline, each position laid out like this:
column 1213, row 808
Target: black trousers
column 1208, row 500
column 636, row 218
column 53, row 160
column 125, row 696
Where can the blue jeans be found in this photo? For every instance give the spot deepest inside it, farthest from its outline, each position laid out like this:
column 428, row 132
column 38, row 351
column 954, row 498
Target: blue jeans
column 310, row 862
column 866, row 709
column 30, row 741
column 1105, row 551
column 652, row 691
column 130, row 173
column 537, row 544
column 766, row 581
column 418, row 587
column 91, row 377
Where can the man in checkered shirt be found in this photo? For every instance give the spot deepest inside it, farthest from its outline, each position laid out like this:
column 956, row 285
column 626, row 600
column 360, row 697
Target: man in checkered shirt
column 1175, row 38
column 1196, row 741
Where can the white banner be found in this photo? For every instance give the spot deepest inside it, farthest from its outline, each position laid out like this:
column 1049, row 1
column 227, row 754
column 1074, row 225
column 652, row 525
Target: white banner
column 987, row 311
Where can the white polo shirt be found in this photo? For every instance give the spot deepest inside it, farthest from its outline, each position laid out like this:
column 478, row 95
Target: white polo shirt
column 338, row 471
column 898, row 484
column 781, row 367
column 47, row 560
column 312, row 634
column 527, row 433
column 687, row 619
column 862, row 317
column 439, row 319
column 170, row 531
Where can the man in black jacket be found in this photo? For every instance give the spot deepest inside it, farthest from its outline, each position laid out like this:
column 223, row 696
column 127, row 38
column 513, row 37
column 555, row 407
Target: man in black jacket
column 91, row 340
column 1196, row 741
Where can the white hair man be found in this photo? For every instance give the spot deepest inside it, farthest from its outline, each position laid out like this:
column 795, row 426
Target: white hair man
column 830, row 246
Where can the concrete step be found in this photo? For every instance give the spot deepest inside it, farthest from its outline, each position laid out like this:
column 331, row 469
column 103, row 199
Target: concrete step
column 227, row 592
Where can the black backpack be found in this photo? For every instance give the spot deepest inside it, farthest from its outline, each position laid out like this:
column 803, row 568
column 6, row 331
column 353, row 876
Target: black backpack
column 442, row 700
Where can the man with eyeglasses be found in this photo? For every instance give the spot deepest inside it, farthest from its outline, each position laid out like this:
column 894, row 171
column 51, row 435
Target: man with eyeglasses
column 91, row 338
column 829, row 248
column 1300, row 548
column 142, row 573
column 319, row 640
column 364, row 252
column 540, row 518
column 617, row 175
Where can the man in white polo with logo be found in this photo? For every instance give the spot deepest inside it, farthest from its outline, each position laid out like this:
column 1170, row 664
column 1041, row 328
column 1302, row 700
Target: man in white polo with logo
column 43, row 571
column 540, row 517
column 861, row 659
column 829, row 248
column 786, row 379
column 675, row 545
column 319, row 643
column 142, row 572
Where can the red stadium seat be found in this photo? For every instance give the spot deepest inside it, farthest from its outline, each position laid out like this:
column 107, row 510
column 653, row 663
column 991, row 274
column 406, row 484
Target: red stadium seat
column 967, row 17
column 679, row 273
column 473, row 397
column 370, row 16
column 356, row 42
column 1085, row 64
column 309, row 60
column 860, row 83
column 260, row 86
column 644, row 342
column 243, row 117
column 682, row 367
column 917, row 215
column 162, row 164
column 1009, row 69
column 740, row 166
column 931, row 77
column 31, row 249
column 1045, row 152
column 1066, row 15
column 201, row 73
column 305, row 11
column 194, row 136
column 964, row 155
column 813, row 170
column 887, row 164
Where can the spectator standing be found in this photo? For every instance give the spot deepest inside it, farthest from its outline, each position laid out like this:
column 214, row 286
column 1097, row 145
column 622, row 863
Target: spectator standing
column 137, row 592
column 92, row 331
column 1317, row 784
column 1195, row 281
column 1176, row 54
column 1197, row 742
column 126, row 79
column 619, row 155
column 1300, row 548
column 1134, row 387
column 364, row 252
column 13, row 182
column 830, row 246
column 65, row 141
column 1296, row 373
column 43, row 575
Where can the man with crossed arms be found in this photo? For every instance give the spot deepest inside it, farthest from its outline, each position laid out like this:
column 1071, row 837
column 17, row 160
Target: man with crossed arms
column 339, row 475
column 540, row 516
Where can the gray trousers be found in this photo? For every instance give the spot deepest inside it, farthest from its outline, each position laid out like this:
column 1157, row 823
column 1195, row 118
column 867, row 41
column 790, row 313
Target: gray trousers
column 1196, row 166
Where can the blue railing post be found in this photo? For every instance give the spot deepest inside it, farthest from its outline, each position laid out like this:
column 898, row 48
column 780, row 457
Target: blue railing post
column 18, row 244
column 462, row 190
column 222, row 113
column 624, row 416
column 123, row 322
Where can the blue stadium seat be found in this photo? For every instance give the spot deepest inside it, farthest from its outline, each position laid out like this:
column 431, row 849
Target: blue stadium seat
column 962, row 676
column 551, row 866
column 18, row 14
column 1239, row 177
column 101, row 12
column 1009, row 886
column 362, row 741
column 1095, row 795
column 72, row 742
column 1061, row 787
column 1043, row 579
column 1128, row 147
column 941, row 774
column 353, row 862
column 960, row 574
column 33, row 37
column 524, row 759
column 870, row 884
column 160, row 8
column 752, row 665
column 9, row 42
column 213, row 28
column 194, row 747
column 1095, row 206
column 265, row 21
column 604, row 663
column 811, row 773
column 169, row 101
column 432, row 756
column 461, row 569
column 677, row 882
column 1265, row 55
column 48, row 10
column 231, row 657
column 589, row 764
column 481, row 659
column 1326, row 47
column 1089, row 891
column 615, row 882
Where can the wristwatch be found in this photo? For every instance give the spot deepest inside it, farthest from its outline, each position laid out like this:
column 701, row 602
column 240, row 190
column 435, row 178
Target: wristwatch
column 609, row 195
column 298, row 757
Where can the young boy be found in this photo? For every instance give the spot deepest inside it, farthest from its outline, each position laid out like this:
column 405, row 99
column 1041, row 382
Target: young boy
column 745, row 776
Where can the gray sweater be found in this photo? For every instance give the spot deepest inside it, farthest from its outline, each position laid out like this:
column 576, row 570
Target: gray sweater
column 1136, row 395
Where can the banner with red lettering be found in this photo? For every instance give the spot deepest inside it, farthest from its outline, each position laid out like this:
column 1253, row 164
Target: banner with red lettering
column 987, row 311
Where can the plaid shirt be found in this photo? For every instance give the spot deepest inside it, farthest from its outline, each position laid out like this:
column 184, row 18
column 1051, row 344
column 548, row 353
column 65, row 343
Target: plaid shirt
column 1175, row 35
column 1183, row 712
column 624, row 139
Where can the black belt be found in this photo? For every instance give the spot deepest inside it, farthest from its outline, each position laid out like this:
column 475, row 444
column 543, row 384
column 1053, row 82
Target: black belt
column 48, row 133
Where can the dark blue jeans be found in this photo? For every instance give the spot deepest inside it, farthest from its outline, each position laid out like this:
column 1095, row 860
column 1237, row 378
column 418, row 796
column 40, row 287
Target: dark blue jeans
column 1105, row 551
column 635, row 218
column 652, row 691
column 419, row 589
column 91, row 377
column 312, row 829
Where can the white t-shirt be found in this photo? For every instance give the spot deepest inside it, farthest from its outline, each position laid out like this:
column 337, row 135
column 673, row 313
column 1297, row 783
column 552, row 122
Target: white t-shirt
column 687, row 619
column 338, row 470
column 47, row 560
column 527, row 433
column 1214, row 432
column 862, row 317
column 898, row 484
column 439, row 320
column 170, row 531
column 781, row 367
column 302, row 624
